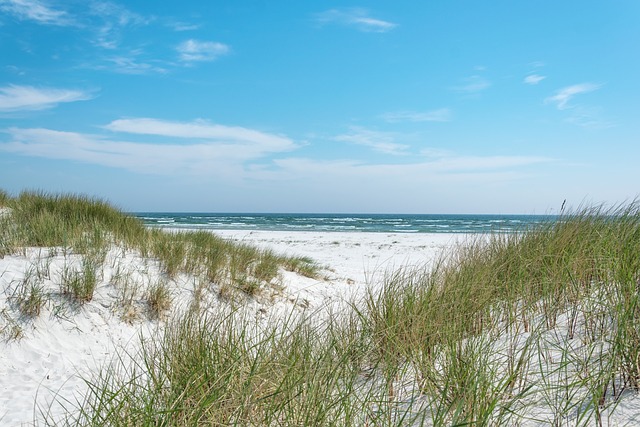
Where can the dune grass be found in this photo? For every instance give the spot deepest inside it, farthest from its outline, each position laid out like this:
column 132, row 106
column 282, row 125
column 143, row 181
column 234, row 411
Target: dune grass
column 549, row 312
column 4, row 197
column 90, row 227
column 47, row 220
column 540, row 327
column 217, row 369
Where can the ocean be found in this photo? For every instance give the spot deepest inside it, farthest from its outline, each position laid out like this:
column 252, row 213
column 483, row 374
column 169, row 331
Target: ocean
column 377, row 223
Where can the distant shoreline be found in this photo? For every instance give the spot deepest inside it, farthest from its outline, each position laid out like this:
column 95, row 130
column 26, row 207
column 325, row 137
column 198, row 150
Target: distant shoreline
column 376, row 223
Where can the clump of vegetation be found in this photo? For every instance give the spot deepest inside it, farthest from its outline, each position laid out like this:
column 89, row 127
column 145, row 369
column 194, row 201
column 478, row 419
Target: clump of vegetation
column 90, row 227
column 216, row 369
column 301, row 265
column 158, row 299
column 29, row 294
column 4, row 198
column 80, row 284
column 10, row 328
column 68, row 220
column 504, row 318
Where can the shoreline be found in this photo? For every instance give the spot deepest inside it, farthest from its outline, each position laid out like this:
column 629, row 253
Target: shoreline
column 354, row 256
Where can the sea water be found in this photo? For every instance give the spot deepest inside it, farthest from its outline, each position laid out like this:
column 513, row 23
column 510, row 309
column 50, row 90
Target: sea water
column 382, row 223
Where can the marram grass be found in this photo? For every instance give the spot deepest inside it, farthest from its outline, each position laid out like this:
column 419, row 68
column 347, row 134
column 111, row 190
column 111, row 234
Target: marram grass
column 540, row 327
column 535, row 328
column 552, row 312
column 90, row 226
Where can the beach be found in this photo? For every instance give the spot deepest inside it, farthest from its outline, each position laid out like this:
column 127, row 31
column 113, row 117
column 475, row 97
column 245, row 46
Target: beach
column 56, row 351
column 101, row 313
column 354, row 256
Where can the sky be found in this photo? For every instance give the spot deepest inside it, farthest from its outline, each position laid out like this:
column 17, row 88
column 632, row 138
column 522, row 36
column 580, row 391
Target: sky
column 460, row 106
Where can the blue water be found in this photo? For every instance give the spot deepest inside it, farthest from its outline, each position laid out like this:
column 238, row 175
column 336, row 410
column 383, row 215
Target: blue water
column 382, row 223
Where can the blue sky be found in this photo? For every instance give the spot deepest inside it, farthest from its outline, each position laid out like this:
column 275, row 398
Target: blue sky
column 299, row 106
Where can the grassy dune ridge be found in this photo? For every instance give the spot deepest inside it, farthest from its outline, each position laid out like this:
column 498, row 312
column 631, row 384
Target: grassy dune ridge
column 540, row 327
column 90, row 226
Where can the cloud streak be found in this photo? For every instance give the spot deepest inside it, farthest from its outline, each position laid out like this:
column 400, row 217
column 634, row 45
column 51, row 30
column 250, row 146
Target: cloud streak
column 199, row 51
column 355, row 18
column 207, row 150
column 37, row 11
column 29, row 98
column 382, row 142
column 203, row 149
column 446, row 168
column 473, row 84
column 439, row 115
column 113, row 19
column 562, row 97
column 202, row 129
column 534, row 79
column 130, row 64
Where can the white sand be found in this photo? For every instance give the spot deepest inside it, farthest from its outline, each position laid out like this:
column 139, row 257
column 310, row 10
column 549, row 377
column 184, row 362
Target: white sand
column 57, row 347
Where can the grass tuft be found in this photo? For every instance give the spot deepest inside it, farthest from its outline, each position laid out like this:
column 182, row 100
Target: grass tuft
column 79, row 285
column 158, row 299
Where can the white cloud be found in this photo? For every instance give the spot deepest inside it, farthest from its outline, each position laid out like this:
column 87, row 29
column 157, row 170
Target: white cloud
column 17, row 98
column 131, row 65
column 202, row 129
column 382, row 142
column 564, row 95
column 589, row 118
column 113, row 18
column 355, row 17
column 35, row 10
column 205, row 149
column 473, row 84
column 183, row 26
column 439, row 115
column 195, row 50
column 117, row 14
column 421, row 186
column 448, row 167
column 534, row 79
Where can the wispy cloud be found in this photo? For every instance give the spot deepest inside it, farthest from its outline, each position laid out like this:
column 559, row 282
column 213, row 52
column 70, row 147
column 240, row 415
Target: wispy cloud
column 382, row 142
column 197, row 51
column 117, row 14
column 38, row 11
column 199, row 148
column 202, row 129
column 448, row 166
column 589, row 118
column 131, row 64
column 104, row 20
column 20, row 98
column 439, row 115
column 562, row 97
column 182, row 26
column 112, row 20
column 534, row 79
column 357, row 18
column 473, row 84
